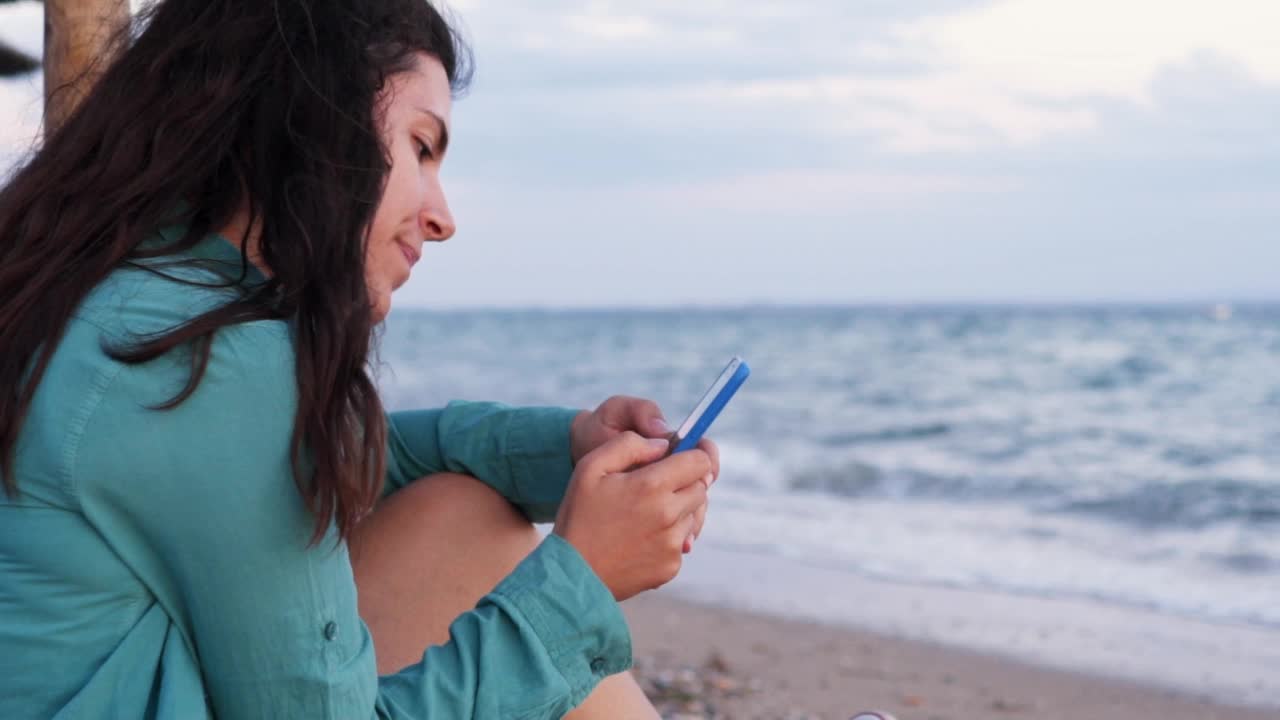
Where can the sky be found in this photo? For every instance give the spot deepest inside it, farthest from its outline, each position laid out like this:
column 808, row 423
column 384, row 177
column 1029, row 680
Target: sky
column 666, row 153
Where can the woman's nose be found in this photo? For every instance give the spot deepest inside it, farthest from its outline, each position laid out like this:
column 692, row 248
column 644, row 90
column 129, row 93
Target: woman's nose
column 435, row 218
column 437, row 223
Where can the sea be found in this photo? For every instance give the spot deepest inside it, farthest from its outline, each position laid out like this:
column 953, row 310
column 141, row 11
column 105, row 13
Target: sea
column 1120, row 456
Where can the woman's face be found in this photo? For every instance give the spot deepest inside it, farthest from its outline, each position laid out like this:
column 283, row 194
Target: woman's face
column 415, row 131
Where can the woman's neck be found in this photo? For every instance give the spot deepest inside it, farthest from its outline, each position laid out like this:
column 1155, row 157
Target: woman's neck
column 239, row 230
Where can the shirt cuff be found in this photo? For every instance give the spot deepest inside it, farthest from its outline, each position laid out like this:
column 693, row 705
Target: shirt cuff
column 539, row 460
column 572, row 613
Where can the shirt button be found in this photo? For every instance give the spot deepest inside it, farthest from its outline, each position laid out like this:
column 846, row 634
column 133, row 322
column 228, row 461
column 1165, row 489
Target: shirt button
column 330, row 631
column 597, row 666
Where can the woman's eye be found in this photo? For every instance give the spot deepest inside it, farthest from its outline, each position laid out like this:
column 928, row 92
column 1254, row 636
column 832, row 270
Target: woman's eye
column 424, row 150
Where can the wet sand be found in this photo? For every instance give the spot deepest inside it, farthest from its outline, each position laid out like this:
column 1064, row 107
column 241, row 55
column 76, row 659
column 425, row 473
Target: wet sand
column 702, row 661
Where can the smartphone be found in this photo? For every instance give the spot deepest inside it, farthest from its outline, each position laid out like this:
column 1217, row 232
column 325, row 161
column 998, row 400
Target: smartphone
column 686, row 436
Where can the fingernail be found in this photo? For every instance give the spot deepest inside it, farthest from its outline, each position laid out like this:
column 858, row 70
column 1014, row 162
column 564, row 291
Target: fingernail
column 708, row 479
column 659, row 443
column 658, row 426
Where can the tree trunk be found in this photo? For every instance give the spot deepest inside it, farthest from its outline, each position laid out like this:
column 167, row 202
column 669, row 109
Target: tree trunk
column 77, row 46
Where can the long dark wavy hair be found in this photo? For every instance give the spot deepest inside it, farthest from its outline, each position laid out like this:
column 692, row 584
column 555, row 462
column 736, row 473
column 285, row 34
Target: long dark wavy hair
column 211, row 105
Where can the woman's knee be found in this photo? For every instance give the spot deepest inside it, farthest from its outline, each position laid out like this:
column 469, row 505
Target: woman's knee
column 427, row 554
column 456, row 499
column 451, row 507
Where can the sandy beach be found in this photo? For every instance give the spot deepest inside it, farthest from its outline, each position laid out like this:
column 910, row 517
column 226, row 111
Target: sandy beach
column 702, row 661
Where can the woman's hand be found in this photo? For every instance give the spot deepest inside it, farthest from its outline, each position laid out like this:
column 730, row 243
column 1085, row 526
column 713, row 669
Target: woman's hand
column 619, row 414
column 631, row 526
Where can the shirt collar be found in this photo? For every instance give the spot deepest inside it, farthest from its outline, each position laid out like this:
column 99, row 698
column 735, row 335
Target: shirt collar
column 221, row 251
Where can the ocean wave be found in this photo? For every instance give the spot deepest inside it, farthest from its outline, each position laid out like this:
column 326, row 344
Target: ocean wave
column 1130, row 371
column 855, row 479
column 1249, row 563
column 1194, row 504
column 1130, row 453
column 1273, row 398
column 888, row 434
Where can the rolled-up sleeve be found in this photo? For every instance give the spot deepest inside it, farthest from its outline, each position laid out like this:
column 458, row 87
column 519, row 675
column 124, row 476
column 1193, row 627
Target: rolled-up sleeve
column 524, row 651
column 521, row 452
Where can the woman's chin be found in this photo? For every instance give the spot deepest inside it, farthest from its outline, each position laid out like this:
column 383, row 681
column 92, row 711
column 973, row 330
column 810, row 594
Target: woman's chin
column 379, row 306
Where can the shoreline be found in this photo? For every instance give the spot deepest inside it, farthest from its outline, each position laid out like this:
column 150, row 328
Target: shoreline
column 1218, row 666
column 697, row 660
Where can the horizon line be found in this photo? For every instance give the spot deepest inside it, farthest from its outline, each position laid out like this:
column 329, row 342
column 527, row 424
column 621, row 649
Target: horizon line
column 853, row 304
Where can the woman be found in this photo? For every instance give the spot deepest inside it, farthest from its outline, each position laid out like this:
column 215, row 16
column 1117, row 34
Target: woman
column 194, row 266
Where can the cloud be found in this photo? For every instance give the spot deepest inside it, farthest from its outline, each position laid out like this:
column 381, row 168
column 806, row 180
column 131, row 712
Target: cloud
column 1086, row 48
column 919, row 77
column 22, row 26
column 21, row 105
column 21, row 98
column 1031, row 68
column 825, row 150
column 915, row 77
column 611, row 28
column 819, row 191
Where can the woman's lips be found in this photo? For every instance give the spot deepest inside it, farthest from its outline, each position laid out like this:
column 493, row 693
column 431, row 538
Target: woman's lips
column 410, row 255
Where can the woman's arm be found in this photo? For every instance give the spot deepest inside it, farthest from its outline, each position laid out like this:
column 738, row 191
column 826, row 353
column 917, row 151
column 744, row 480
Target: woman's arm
column 523, row 453
column 200, row 502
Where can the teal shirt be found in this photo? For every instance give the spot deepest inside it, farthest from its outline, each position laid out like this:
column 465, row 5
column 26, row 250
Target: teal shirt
column 156, row 564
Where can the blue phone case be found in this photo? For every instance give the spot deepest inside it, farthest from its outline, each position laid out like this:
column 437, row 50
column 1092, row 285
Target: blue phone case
column 713, row 409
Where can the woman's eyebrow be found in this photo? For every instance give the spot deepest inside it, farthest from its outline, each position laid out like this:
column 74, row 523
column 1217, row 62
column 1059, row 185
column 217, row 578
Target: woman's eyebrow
column 443, row 144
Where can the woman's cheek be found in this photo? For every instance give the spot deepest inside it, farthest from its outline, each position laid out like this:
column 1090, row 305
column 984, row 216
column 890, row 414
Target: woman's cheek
column 381, row 302
column 379, row 292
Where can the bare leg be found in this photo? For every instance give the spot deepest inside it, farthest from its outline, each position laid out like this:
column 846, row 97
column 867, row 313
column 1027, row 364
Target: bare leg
column 429, row 553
